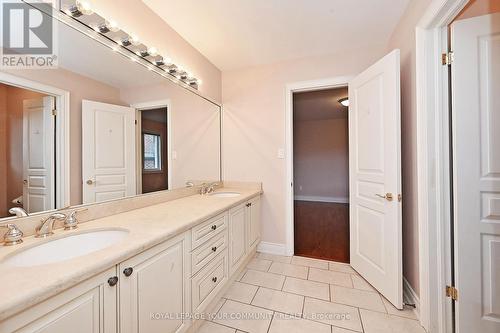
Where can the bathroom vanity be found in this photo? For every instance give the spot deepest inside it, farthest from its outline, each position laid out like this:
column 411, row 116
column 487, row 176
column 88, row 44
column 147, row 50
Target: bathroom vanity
column 170, row 268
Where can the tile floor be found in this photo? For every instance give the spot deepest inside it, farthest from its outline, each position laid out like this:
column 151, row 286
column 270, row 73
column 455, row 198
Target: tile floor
column 277, row 294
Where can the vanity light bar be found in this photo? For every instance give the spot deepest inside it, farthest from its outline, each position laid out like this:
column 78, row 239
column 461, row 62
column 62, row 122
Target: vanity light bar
column 82, row 12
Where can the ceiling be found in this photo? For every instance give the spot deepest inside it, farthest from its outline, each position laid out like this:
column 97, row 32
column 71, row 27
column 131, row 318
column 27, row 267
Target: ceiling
column 319, row 105
column 235, row 34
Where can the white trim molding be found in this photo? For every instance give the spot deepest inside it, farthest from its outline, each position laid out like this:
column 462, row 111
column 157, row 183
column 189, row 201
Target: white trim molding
column 433, row 163
column 272, row 248
column 290, row 89
column 314, row 198
column 62, row 140
column 411, row 297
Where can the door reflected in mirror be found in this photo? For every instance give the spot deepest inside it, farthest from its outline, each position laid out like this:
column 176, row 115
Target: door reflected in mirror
column 99, row 127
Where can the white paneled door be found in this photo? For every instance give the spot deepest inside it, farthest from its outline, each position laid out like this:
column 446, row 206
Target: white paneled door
column 375, row 177
column 476, row 142
column 38, row 154
column 108, row 151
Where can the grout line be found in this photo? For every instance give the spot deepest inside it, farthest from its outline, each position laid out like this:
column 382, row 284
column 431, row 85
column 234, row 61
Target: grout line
column 361, row 321
column 330, row 292
column 303, row 305
column 256, row 291
column 269, row 327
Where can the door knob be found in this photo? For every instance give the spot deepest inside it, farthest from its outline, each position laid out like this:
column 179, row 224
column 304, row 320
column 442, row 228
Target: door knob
column 387, row 196
column 90, row 182
column 25, row 182
column 128, row 271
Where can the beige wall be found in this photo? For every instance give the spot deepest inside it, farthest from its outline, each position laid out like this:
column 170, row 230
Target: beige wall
column 478, row 8
column 135, row 17
column 254, row 124
column 403, row 38
column 321, row 160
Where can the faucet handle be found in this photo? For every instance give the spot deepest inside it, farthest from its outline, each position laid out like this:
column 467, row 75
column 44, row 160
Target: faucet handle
column 47, row 224
column 13, row 235
column 71, row 222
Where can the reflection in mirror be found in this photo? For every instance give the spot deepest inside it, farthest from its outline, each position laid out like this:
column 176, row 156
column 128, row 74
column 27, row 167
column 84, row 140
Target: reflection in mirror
column 99, row 127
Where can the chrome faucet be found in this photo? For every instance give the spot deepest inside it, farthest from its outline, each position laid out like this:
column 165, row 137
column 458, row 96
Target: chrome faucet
column 208, row 188
column 45, row 228
column 71, row 222
column 13, row 235
column 18, row 211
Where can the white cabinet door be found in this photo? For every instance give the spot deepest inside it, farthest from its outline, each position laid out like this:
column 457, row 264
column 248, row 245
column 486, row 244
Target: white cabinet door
column 253, row 222
column 155, row 289
column 38, row 155
column 237, row 237
column 89, row 307
column 476, row 146
column 375, row 177
column 108, row 151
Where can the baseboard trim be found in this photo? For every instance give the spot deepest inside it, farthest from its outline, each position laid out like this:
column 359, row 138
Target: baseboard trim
column 321, row 199
column 411, row 297
column 272, row 248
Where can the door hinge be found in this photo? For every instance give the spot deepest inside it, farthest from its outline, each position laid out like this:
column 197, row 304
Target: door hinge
column 400, row 197
column 452, row 292
column 447, row 58
column 135, row 121
column 54, row 112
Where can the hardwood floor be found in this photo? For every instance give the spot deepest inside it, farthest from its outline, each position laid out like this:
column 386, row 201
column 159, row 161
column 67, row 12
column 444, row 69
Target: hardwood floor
column 322, row 230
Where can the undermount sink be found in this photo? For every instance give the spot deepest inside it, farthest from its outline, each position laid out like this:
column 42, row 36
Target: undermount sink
column 65, row 248
column 225, row 194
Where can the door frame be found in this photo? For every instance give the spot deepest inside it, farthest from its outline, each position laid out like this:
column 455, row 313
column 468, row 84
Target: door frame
column 433, row 165
column 165, row 103
column 62, row 173
column 290, row 89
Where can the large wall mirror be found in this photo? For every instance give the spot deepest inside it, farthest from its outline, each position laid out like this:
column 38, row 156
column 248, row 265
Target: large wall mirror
column 99, row 127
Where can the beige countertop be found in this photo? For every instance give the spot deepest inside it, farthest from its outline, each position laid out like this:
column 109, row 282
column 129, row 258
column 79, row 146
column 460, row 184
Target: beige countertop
column 22, row 287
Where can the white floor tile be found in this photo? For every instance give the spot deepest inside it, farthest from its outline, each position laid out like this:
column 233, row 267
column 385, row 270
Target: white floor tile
column 279, row 301
column 210, row 327
column 259, row 264
column 263, row 279
column 274, row 257
column 310, row 262
column 376, row 322
column 358, row 298
column 407, row 312
column 241, row 292
column 244, row 317
column 338, row 315
column 331, row 277
column 289, row 270
column 281, row 324
column 360, row 283
column 341, row 267
column 307, row 288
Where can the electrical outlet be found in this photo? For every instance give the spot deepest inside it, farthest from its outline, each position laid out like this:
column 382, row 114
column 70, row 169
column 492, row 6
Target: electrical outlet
column 281, row 153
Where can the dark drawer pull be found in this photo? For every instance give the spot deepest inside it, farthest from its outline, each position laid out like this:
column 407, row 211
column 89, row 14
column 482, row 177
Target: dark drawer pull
column 214, row 279
column 112, row 281
column 214, row 248
column 214, row 227
column 128, row 271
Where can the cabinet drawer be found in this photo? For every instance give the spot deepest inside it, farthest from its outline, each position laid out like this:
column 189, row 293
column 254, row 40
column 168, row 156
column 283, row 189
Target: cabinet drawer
column 203, row 232
column 207, row 283
column 209, row 250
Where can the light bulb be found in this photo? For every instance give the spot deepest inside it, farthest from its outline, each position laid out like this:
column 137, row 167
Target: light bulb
column 134, row 40
column 112, row 26
column 153, row 51
column 84, row 7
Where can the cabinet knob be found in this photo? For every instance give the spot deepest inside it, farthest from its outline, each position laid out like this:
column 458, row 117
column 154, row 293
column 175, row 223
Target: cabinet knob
column 214, row 248
column 128, row 271
column 214, row 279
column 112, row 281
column 214, row 227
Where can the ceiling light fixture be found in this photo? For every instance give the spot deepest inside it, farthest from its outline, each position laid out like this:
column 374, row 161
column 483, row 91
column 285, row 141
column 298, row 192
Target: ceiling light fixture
column 129, row 46
column 344, row 101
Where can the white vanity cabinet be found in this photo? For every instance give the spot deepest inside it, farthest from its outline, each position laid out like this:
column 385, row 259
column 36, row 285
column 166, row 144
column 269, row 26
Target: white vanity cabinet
column 89, row 307
column 154, row 289
column 253, row 222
